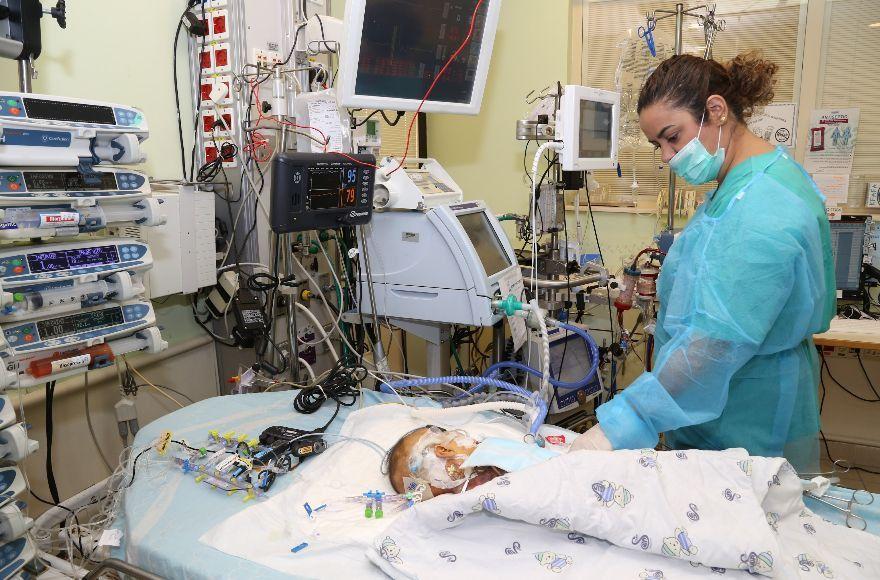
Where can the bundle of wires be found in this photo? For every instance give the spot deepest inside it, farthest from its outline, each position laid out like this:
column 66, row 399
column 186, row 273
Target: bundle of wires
column 342, row 385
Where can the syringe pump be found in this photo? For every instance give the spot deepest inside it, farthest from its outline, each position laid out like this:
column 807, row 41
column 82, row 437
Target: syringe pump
column 46, row 131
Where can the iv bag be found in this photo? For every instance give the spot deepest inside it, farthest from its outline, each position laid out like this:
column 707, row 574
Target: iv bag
column 634, row 67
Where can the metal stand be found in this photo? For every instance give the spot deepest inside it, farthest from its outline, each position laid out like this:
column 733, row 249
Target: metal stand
column 710, row 26
column 25, row 75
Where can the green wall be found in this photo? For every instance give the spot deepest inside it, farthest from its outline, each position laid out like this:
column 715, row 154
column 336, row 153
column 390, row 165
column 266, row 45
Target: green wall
column 121, row 51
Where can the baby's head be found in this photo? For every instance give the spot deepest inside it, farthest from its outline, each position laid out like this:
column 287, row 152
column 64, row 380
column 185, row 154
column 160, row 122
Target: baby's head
column 434, row 455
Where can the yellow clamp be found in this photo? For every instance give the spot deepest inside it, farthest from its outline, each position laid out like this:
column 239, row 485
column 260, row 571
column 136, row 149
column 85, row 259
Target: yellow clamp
column 164, row 441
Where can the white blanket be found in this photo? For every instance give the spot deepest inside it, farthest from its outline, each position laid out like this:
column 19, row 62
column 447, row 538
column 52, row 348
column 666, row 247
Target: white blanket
column 628, row 514
column 339, row 535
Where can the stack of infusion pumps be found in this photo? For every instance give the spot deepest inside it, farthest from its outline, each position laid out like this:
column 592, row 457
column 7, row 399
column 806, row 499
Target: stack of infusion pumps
column 71, row 298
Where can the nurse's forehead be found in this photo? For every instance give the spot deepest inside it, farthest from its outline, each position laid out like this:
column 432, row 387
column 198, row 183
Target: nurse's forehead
column 656, row 118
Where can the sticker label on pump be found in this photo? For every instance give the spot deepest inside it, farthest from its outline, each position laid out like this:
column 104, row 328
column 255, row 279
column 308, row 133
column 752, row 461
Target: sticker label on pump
column 74, row 362
column 61, row 218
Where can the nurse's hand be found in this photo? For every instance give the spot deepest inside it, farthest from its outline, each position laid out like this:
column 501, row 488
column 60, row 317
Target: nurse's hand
column 593, row 440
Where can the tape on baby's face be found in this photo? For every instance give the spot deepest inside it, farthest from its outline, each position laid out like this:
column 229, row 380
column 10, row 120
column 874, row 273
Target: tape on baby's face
column 418, row 487
column 441, row 472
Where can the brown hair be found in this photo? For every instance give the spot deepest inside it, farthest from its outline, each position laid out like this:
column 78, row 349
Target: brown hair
column 687, row 81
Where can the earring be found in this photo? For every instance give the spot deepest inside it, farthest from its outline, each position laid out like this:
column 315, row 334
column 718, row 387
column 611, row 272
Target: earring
column 723, row 120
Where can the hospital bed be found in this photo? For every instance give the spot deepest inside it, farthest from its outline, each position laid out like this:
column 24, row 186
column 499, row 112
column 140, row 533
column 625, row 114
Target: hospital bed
column 165, row 511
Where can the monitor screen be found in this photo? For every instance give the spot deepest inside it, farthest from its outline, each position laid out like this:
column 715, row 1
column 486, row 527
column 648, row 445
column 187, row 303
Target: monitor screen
column 482, row 235
column 596, row 119
column 405, row 43
column 848, row 246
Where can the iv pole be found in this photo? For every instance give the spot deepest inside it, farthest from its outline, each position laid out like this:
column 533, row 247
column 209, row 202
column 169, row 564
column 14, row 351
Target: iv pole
column 710, row 27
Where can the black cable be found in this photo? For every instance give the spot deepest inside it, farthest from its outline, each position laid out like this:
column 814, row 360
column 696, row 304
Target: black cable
column 175, row 391
column 78, row 544
column 341, row 385
column 134, row 466
column 832, row 460
column 50, row 428
column 836, row 382
column 602, row 261
column 867, row 378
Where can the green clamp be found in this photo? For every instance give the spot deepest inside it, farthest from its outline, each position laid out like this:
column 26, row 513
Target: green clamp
column 314, row 248
column 510, row 305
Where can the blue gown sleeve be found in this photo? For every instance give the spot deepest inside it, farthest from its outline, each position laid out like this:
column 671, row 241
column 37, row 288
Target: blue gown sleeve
column 725, row 299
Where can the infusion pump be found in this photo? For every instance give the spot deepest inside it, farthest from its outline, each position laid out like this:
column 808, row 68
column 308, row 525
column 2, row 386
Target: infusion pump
column 47, row 131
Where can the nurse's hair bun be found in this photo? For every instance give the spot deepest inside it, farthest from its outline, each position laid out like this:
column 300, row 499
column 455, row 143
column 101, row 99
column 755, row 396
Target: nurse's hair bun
column 686, row 81
column 752, row 80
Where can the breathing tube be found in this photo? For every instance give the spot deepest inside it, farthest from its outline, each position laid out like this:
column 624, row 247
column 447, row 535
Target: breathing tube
column 480, row 382
column 594, row 361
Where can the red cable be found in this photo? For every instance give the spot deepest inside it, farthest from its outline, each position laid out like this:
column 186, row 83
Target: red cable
column 464, row 44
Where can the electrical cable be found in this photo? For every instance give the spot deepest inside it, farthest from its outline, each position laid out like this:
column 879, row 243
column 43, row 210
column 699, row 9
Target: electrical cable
column 458, row 51
column 827, row 369
column 89, row 423
column 50, row 429
column 865, row 371
column 342, row 385
column 602, row 261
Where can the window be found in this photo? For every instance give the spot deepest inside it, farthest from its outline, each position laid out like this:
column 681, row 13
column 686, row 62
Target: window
column 849, row 76
column 776, row 27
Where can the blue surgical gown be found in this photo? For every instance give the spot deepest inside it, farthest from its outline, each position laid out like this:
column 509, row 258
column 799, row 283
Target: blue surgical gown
column 744, row 288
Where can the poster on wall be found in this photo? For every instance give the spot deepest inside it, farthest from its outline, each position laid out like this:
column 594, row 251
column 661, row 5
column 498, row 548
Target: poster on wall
column 832, row 141
column 776, row 123
column 835, row 188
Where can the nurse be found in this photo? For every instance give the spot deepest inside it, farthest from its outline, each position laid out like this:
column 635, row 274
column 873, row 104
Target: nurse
column 745, row 286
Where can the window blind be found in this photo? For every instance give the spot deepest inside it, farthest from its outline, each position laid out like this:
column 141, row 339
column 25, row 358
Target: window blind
column 850, row 77
column 772, row 26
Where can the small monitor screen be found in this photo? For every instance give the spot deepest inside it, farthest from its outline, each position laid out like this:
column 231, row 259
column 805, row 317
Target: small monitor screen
column 486, row 243
column 333, row 187
column 66, row 325
column 596, row 121
column 848, row 246
column 41, row 262
column 68, row 181
column 405, row 43
column 71, row 112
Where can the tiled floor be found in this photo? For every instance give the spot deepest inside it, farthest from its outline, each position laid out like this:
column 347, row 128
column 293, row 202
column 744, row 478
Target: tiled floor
column 855, row 479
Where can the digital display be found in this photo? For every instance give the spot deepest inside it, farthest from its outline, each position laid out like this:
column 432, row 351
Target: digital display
column 405, row 43
column 72, row 112
column 68, row 259
column 848, row 249
column 68, row 181
column 486, row 243
column 333, row 187
column 67, row 325
column 595, row 129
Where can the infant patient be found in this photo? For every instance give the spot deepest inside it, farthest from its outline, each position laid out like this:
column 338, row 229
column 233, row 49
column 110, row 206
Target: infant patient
column 452, row 461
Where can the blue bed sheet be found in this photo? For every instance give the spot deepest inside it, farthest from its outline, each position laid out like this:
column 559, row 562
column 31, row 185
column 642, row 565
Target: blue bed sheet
column 165, row 511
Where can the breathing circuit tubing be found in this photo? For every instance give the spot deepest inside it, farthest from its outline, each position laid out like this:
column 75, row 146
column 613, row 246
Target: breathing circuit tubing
column 489, row 380
column 480, row 382
column 594, row 361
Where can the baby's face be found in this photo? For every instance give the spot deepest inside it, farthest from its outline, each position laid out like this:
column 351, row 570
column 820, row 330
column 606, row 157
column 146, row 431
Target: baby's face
column 436, row 456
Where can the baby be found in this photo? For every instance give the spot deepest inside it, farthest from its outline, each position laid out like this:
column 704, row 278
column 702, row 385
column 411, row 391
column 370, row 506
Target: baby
column 452, row 461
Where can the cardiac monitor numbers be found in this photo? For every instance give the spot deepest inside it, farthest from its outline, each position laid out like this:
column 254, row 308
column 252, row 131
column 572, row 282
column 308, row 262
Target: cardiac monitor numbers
column 332, row 188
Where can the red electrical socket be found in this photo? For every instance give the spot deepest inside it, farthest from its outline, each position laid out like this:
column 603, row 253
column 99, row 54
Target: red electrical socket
column 221, row 58
column 219, row 25
column 208, row 120
column 206, row 60
column 207, row 85
column 211, row 153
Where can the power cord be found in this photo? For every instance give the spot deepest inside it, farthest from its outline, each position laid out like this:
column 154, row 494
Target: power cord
column 50, row 432
column 342, row 385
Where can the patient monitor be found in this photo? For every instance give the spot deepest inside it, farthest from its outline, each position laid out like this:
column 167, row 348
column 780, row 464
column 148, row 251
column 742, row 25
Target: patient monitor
column 441, row 265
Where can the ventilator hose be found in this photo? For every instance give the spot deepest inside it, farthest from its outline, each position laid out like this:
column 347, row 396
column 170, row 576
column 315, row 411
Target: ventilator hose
column 481, row 381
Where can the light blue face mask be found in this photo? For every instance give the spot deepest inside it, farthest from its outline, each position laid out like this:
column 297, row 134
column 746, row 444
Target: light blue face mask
column 694, row 163
column 507, row 454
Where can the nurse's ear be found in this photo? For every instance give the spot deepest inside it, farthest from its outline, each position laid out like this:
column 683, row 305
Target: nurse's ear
column 717, row 111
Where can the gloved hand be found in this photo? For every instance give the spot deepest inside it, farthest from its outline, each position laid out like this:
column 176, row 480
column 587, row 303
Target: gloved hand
column 593, row 440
